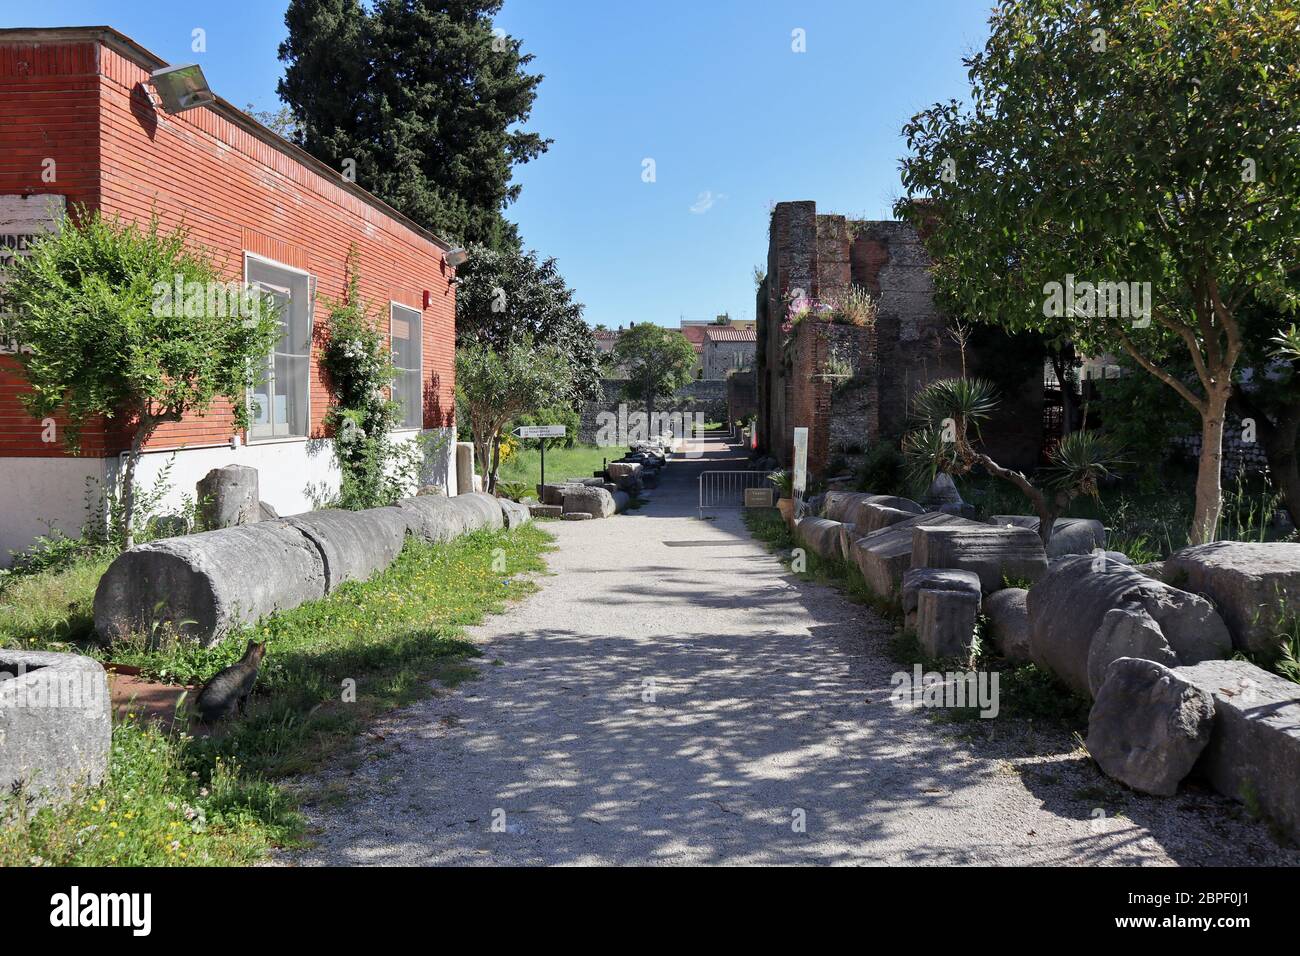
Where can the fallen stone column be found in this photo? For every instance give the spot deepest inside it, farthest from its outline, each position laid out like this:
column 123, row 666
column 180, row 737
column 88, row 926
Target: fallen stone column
column 820, row 535
column 513, row 513
column 55, row 724
column 1149, row 725
column 838, row 504
column 1068, row 604
column 205, row 585
column 355, row 545
column 435, row 519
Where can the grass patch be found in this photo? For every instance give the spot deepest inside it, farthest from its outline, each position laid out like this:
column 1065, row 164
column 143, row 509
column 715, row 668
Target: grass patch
column 51, row 610
column 1025, row 690
column 580, row 461
column 331, row 666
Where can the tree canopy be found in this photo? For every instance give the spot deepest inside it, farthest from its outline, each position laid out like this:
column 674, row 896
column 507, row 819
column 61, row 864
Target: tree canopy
column 129, row 324
column 427, row 100
column 658, row 362
column 508, row 296
column 1111, row 145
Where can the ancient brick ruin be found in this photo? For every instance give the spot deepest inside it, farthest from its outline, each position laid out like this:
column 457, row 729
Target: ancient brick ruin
column 910, row 344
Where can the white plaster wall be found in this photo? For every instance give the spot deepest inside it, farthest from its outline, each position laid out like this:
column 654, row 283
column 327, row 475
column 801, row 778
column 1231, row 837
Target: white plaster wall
column 35, row 492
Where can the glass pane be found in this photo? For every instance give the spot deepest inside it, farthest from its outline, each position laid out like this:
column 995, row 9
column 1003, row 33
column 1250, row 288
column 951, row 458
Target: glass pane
column 290, row 409
column 261, row 401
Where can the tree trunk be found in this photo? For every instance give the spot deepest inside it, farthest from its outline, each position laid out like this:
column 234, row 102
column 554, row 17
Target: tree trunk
column 649, row 409
column 143, row 430
column 1045, row 509
column 1209, row 483
column 491, row 477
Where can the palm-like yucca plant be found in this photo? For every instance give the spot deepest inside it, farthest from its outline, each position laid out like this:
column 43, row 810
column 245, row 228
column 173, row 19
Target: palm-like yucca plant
column 955, row 407
column 1288, row 343
column 1080, row 462
column 949, row 410
column 784, row 481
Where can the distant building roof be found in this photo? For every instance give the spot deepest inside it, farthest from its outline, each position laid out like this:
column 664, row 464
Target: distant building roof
column 726, row 333
column 605, row 334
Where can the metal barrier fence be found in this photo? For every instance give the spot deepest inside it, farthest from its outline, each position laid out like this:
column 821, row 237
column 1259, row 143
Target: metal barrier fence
column 726, row 489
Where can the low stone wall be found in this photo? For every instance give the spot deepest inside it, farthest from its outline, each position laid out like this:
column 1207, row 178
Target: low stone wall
column 203, row 586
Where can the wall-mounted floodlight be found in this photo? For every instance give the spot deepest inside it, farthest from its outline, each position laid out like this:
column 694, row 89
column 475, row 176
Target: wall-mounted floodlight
column 182, row 87
column 456, row 257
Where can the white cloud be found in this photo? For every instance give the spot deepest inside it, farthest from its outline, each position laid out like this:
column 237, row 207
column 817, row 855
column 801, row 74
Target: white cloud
column 706, row 201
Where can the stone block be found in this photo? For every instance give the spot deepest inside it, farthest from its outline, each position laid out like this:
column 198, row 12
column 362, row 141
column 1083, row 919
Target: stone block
column 1255, row 586
column 1254, row 749
column 596, row 502
column 945, row 621
column 55, row 724
column 228, row 497
column 995, row 554
column 883, row 556
column 1149, row 725
column 1069, row 535
column 1008, row 615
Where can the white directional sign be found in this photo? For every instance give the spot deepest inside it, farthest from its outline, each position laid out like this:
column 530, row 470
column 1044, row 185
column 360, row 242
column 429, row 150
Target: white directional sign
column 540, row 431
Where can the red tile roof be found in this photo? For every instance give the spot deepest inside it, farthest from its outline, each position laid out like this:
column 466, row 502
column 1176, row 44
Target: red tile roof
column 726, row 333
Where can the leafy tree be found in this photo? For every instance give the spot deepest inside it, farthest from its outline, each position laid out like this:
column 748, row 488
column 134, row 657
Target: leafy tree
column 658, row 362
column 951, row 409
column 496, row 387
column 424, row 97
column 103, row 335
column 506, row 296
column 279, row 121
column 1095, row 146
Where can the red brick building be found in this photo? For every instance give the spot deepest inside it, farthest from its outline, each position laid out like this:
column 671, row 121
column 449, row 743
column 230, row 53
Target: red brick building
column 80, row 126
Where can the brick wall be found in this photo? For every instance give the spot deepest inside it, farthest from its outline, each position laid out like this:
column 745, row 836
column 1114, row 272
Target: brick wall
column 84, row 104
column 910, row 345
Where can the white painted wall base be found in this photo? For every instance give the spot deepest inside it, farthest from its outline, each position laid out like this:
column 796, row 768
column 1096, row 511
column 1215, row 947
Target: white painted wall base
column 37, row 493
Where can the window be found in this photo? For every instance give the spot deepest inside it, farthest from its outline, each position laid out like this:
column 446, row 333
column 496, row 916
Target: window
column 279, row 400
column 407, row 329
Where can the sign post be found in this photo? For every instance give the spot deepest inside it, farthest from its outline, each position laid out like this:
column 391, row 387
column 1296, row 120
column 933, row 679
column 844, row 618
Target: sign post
column 543, row 432
column 800, row 469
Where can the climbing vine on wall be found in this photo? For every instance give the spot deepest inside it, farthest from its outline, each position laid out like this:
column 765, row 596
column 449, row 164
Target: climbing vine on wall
column 358, row 360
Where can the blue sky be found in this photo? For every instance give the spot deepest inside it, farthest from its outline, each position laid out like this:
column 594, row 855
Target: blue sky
column 711, row 90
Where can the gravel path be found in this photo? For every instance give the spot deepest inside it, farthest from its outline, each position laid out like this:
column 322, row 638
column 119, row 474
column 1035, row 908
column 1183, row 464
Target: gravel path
column 672, row 696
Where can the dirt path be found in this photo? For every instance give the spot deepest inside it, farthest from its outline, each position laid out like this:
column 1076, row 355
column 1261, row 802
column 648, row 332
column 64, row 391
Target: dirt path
column 673, row 696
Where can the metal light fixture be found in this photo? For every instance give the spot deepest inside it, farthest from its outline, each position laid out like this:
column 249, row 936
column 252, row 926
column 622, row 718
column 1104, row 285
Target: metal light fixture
column 182, row 88
column 456, row 257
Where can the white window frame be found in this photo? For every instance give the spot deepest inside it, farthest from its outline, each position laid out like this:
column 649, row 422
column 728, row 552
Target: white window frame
column 418, row 321
column 258, row 434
